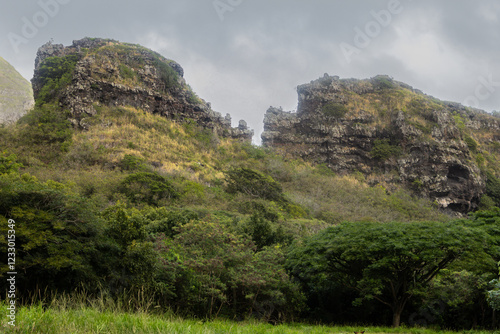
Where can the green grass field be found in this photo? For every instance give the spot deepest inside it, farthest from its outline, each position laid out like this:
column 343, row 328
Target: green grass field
column 85, row 320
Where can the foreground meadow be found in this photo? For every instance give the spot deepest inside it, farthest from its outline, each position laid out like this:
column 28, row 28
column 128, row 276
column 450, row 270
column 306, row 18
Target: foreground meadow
column 86, row 320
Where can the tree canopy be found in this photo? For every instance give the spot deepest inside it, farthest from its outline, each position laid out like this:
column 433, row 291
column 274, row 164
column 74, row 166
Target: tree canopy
column 388, row 262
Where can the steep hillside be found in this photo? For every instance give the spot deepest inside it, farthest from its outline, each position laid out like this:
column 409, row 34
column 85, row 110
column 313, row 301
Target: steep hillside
column 394, row 135
column 95, row 73
column 106, row 109
column 16, row 95
column 126, row 189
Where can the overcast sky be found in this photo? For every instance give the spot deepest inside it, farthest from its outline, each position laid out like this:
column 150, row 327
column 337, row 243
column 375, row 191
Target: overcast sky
column 246, row 55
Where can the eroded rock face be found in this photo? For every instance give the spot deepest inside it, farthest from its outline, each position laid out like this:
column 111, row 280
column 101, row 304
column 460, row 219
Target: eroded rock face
column 109, row 73
column 387, row 129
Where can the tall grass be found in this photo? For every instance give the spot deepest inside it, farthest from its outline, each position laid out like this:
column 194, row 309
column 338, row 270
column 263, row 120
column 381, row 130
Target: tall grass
column 77, row 314
column 81, row 313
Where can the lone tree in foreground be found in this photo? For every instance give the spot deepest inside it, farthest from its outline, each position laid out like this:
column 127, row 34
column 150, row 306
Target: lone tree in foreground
column 388, row 262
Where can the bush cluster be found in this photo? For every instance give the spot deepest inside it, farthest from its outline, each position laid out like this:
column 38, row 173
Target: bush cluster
column 55, row 73
column 227, row 230
column 150, row 188
column 383, row 150
column 333, row 109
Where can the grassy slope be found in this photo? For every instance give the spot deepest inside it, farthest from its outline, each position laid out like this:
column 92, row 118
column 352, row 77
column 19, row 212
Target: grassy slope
column 84, row 320
column 15, row 91
column 197, row 161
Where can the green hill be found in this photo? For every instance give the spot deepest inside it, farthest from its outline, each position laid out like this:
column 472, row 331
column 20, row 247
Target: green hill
column 16, row 94
column 131, row 190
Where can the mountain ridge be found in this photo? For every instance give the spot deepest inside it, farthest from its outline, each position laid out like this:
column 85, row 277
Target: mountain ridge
column 104, row 72
column 392, row 134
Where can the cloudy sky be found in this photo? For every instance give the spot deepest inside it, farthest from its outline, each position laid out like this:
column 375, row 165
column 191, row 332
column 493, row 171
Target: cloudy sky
column 246, row 55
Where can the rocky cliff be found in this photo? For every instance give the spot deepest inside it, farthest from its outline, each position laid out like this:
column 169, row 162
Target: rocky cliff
column 16, row 95
column 93, row 72
column 393, row 134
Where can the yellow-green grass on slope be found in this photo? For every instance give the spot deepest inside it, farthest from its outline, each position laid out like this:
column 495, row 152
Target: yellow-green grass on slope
column 185, row 152
column 340, row 198
column 182, row 149
column 36, row 319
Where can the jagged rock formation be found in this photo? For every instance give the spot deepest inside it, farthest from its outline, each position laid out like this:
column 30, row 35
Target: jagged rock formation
column 16, row 95
column 391, row 133
column 106, row 72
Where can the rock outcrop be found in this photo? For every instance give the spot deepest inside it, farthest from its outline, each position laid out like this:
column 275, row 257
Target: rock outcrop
column 101, row 72
column 391, row 133
column 16, row 95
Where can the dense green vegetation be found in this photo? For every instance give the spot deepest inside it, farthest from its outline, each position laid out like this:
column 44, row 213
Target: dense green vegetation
column 335, row 110
column 55, row 74
column 212, row 228
column 390, row 262
column 144, row 215
column 383, row 149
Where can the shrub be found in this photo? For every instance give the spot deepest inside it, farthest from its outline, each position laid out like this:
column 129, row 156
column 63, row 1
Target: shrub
column 323, row 169
column 383, row 82
column 166, row 222
column 55, row 73
column 47, row 124
column 254, row 184
column 166, row 73
column 268, row 210
column 295, row 210
column 193, row 192
column 216, row 270
column 493, row 187
column 148, row 188
column 126, row 72
column 132, row 163
column 254, row 152
column 486, row 203
column 56, row 233
column 471, row 143
column 193, row 97
column 47, row 131
column 334, row 109
column 265, row 233
column 124, row 225
column 8, row 163
column 459, row 121
column 383, row 150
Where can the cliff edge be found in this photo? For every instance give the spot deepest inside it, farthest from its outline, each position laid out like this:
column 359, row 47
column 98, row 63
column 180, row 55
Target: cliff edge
column 394, row 135
column 93, row 72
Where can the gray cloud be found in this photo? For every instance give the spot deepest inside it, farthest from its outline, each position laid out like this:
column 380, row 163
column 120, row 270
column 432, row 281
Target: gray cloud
column 261, row 50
